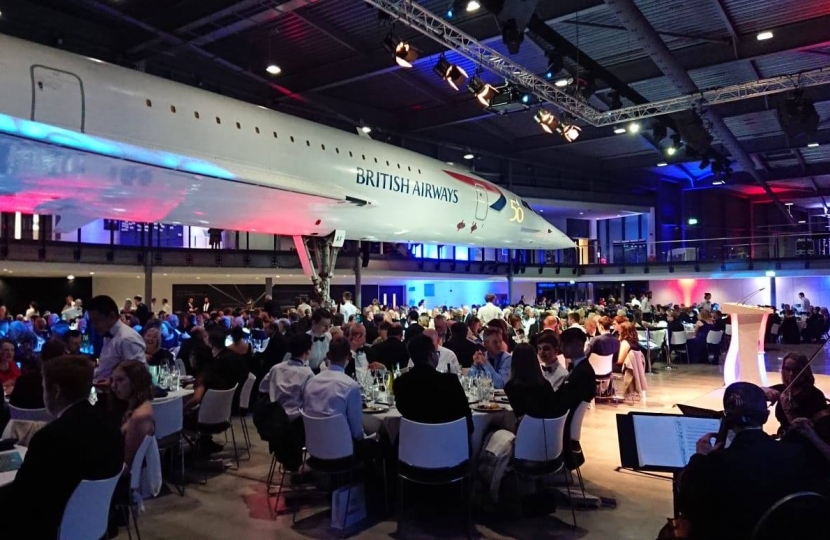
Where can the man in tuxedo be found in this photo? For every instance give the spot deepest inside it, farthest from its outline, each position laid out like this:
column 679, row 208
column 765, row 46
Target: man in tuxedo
column 580, row 384
column 82, row 443
column 206, row 305
column 391, row 352
column 725, row 491
column 424, row 395
column 463, row 348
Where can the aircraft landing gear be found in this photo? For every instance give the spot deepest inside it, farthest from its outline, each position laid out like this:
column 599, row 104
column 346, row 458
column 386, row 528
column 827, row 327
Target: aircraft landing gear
column 318, row 256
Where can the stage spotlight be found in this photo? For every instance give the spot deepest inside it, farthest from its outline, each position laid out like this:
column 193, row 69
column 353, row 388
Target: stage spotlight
column 454, row 75
column 562, row 82
column 481, row 90
column 546, row 120
column 404, row 53
column 462, row 5
column 570, row 132
column 273, row 69
column 634, row 127
column 671, row 150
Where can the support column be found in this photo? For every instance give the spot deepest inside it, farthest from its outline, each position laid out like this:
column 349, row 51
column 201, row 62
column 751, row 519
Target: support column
column 511, row 259
column 358, row 283
column 148, row 282
column 269, row 285
column 773, row 294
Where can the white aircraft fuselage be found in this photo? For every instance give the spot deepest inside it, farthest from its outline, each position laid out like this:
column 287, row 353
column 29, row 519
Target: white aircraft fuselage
column 85, row 140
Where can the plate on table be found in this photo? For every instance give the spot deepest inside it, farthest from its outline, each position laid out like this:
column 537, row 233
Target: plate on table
column 375, row 409
column 492, row 407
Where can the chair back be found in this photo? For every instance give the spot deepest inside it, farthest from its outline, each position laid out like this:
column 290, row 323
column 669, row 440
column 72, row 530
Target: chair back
column 328, row 437
column 774, row 329
column 714, row 337
column 87, row 511
column 728, row 330
column 540, row 440
column 138, row 461
column 798, row 515
column 678, row 338
column 433, row 446
column 216, row 406
column 642, row 336
column 658, row 337
column 168, row 416
column 34, row 415
column 180, row 365
column 603, row 365
column 245, row 393
column 576, row 421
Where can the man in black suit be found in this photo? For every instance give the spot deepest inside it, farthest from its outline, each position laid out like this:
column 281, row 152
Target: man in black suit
column 463, row 348
column 391, row 352
column 605, row 344
column 82, row 443
column 424, row 395
column 372, row 327
column 580, row 386
column 725, row 491
column 414, row 329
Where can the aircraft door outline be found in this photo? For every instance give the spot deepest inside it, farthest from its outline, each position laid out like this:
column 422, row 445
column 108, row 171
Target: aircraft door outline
column 58, row 98
column 481, row 202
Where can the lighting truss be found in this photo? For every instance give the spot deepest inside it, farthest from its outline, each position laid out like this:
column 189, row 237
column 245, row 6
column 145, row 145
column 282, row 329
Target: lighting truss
column 421, row 19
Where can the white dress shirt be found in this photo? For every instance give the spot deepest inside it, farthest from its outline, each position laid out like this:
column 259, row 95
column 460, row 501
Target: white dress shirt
column 285, row 383
column 319, row 349
column 122, row 343
column 332, row 392
column 555, row 374
column 347, row 310
column 488, row 312
column 206, row 308
column 447, row 361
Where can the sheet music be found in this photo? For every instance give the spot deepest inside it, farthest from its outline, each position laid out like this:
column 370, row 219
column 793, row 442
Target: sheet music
column 669, row 441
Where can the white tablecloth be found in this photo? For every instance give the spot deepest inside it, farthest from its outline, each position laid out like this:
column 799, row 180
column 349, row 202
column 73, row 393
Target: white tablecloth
column 181, row 392
column 8, row 477
column 483, row 423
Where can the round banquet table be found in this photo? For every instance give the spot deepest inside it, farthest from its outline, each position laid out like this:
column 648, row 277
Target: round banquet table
column 483, row 423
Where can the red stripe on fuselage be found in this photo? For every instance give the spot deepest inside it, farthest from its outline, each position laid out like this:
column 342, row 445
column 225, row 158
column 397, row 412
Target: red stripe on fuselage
column 470, row 181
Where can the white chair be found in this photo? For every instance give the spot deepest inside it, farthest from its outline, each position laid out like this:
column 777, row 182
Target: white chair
column 603, row 369
column 215, row 415
column 538, row 449
column 244, row 403
column 713, row 339
column 434, row 454
column 180, row 365
column 330, row 448
column 657, row 340
column 133, row 506
column 576, row 435
column 728, row 329
column 678, row 339
column 169, row 417
column 86, row 513
column 33, row 415
column 775, row 332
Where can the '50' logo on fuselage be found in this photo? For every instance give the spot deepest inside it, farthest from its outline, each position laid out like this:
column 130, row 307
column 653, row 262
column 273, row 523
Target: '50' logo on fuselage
column 518, row 211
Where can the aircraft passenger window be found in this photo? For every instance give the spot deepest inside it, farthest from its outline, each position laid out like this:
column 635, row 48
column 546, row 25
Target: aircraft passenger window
column 257, row 130
column 196, row 114
column 275, row 134
column 387, row 162
column 364, row 156
column 376, row 160
column 149, row 103
column 173, row 109
column 218, row 120
column 307, row 142
column 336, row 150
column 238, row 125
column 399, row 165
column 350, row 154
column 408, row 168
column 323, row 147
column 292, row 138
column 419, row 171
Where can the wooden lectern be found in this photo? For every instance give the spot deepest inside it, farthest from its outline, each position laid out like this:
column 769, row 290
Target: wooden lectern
column 745, row 358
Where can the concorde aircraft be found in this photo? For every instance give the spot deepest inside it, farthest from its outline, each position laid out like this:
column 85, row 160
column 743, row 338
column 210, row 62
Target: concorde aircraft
column 83, row 140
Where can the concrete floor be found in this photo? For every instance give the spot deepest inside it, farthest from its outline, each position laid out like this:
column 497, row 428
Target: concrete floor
column 233, row 505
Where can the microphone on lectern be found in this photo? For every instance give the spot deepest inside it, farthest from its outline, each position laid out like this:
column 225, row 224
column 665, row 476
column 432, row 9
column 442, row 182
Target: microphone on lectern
column 750, row 295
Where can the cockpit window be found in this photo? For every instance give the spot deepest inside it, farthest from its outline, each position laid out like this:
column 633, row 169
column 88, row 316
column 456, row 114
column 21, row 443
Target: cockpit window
column 524, row 203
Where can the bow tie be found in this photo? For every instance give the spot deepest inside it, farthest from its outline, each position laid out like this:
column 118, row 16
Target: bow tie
column 361, row 350
column 549, row 369
column 321, row 338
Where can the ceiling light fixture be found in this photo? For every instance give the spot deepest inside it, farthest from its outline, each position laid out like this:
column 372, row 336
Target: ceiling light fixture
column 718, row 182
column 468, row 156
column 571, row 132
column 634, row 127
column 812, row 145
column 453, row 74
column 404, row 53
column 481, row 90
column 765, row 35
column 671, row 150
column 620, row 130
column 661, row 163
column 273, row 69
column 365, row 129
column 546, row 120
column 563, row 82
column 70, row 277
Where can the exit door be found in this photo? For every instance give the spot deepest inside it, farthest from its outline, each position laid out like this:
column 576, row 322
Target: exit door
column 58, row 98
column 481, row 202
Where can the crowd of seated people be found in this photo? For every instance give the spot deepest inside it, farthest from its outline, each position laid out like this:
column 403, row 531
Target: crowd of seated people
column 537, row 353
